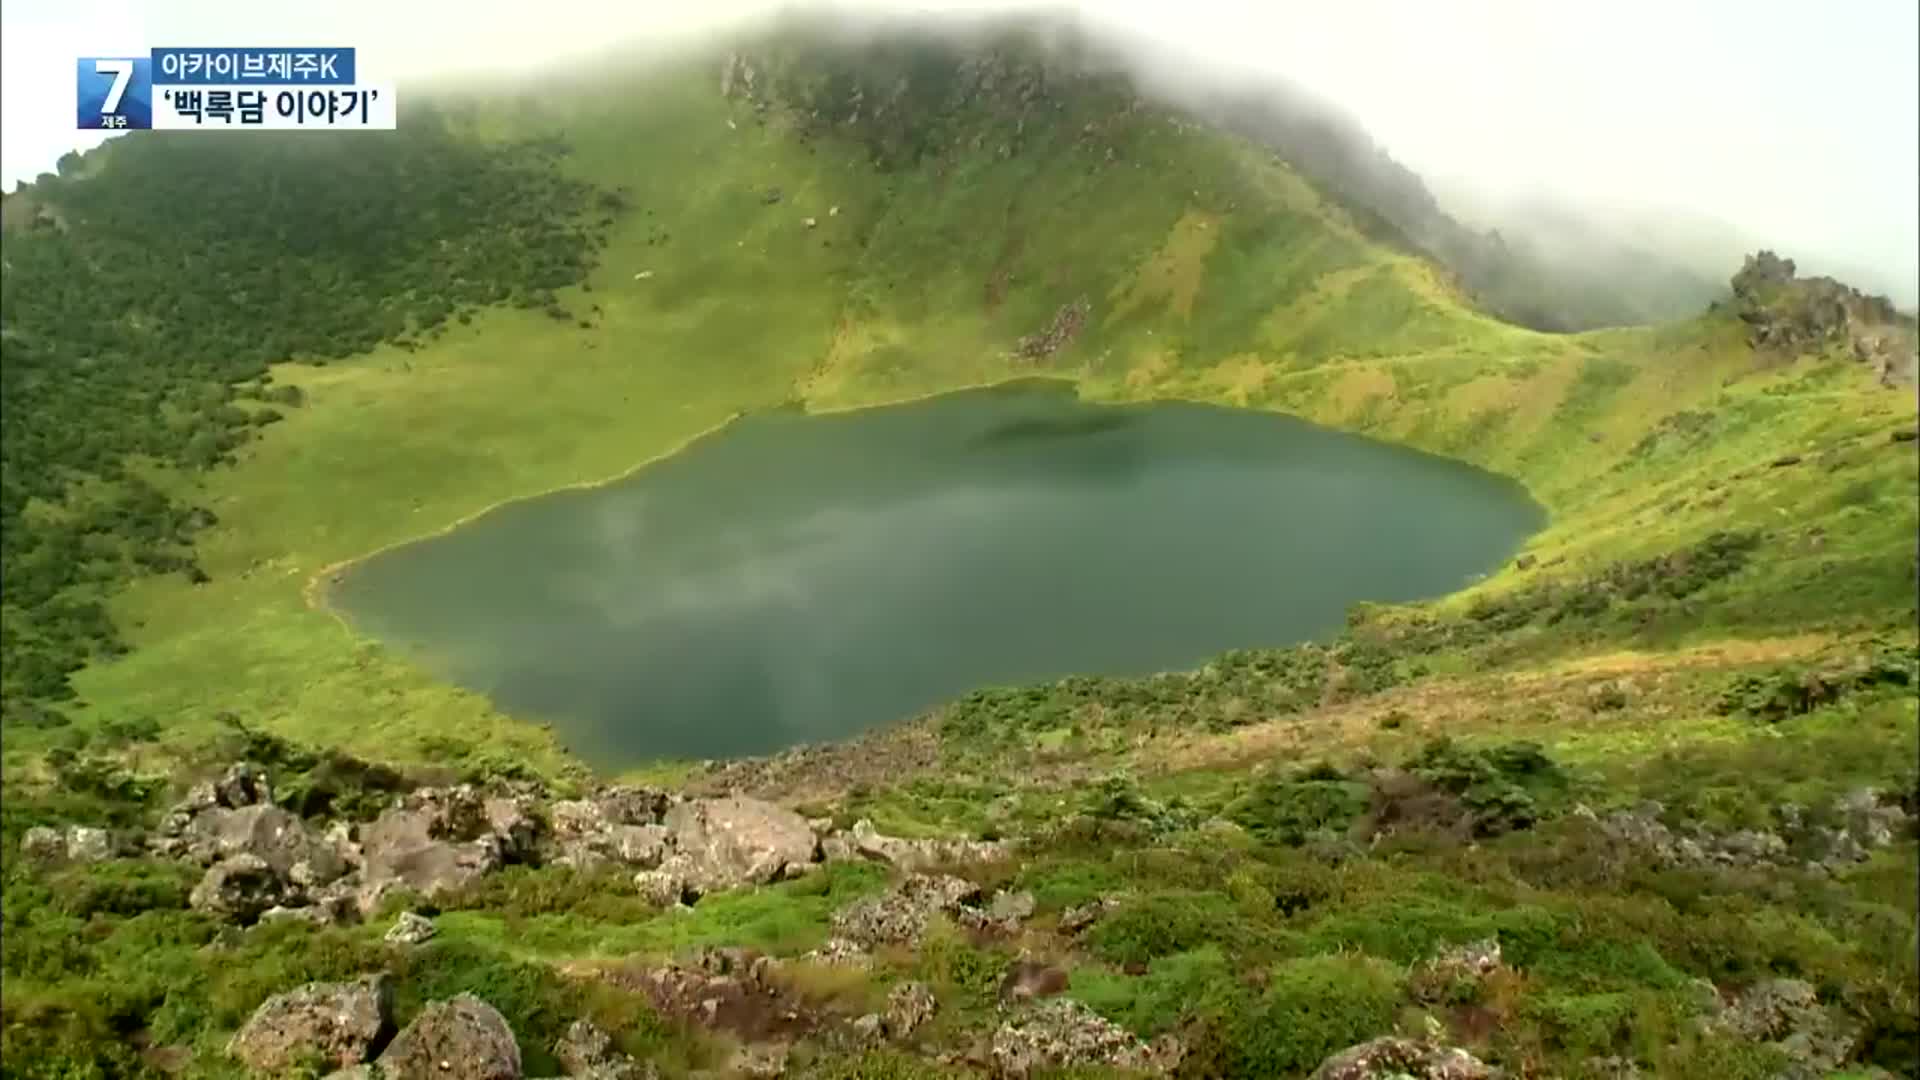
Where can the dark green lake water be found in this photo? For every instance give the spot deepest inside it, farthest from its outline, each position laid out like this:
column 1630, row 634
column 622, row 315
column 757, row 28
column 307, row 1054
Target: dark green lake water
column 796, row 579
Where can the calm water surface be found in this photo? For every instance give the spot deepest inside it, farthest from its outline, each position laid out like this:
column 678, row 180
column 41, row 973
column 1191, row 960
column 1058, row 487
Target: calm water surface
column 796, row 579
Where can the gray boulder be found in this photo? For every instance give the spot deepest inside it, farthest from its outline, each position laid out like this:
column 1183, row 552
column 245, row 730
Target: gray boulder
column 241, row 887
column 587, row 1051
column 410, row 928
column 461, row 1039
column 725, row 843
column 88, row 844
column 42, row 842
column 434, row 841
column 277, row 836
column 338, row 1023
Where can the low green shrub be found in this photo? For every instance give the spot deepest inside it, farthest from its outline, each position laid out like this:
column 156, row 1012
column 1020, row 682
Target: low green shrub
column 1176, row 987
column 1294, row 811
column 967, row 972
column 1312, row 1008
column 1174, row 921
column 1501, row 788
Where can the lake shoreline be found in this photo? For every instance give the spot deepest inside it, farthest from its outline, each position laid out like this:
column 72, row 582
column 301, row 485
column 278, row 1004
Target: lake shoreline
column 314, row 591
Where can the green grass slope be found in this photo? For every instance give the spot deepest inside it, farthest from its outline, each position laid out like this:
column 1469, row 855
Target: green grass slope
column 1719, row 614
column 1210, row 270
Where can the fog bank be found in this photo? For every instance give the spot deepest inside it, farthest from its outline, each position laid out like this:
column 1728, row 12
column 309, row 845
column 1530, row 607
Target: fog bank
column 1756, row 119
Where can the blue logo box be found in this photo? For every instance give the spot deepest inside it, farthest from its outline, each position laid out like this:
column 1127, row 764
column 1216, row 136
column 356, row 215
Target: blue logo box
column 114, row 93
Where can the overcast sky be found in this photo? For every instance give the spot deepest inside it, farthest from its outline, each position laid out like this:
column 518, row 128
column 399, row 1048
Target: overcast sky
column 1794, row 122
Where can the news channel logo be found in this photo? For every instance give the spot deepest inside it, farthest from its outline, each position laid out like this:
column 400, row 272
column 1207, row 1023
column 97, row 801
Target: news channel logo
column 115, row 93
column 269, row 89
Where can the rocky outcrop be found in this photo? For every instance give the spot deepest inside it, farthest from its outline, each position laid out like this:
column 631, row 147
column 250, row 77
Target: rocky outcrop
column 1848, row 833
column 78, row 843
column 440, row 839
column 1786, row 1014
column 1061, row 1033
column 262, row 858
column 1059, row 333
column 1792, row 316
column 259, row 856
column 901, row 915
column 461, row 1039
column 909, row 1005
column 337, row 1023
column 1857, row 823
column 588, row 1051
column 921, row 854
column 1392, row 1058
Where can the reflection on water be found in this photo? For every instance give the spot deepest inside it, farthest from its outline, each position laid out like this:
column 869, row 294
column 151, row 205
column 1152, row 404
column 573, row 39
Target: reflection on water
column 797, row 579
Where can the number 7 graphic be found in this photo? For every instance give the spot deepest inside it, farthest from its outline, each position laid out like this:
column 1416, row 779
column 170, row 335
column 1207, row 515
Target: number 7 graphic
column 122, row 72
